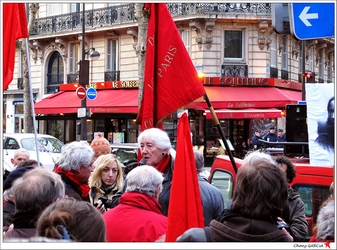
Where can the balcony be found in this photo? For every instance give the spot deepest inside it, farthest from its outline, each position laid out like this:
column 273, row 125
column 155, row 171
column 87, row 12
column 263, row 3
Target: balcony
column 273, row 72
column 20, row 83
column 284, row 74
column 234, row 70
column 125, row 14
column 110, row 76
column 72, row 78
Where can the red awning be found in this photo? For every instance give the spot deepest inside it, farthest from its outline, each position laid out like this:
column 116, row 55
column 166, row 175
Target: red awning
column 247, row 97
column 245, row 113
column 107, row 101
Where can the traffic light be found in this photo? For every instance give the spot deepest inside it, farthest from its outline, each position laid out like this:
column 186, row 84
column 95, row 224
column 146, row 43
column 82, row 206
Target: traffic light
column 310, row 76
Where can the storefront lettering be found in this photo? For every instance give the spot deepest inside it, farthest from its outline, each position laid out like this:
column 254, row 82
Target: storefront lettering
column 124, row 84
column 248, row 115
column 239, row 81
column 241, row 105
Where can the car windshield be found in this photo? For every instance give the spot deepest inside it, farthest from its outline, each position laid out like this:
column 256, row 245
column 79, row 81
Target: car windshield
column 46, row 144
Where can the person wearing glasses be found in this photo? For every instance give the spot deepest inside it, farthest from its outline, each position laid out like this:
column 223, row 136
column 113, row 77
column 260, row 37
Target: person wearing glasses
column 105, row 181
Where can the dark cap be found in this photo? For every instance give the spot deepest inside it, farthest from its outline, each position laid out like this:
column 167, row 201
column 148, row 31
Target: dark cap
column 272, row 127
column 258, row 130
column 280, row 130
column 15, row 174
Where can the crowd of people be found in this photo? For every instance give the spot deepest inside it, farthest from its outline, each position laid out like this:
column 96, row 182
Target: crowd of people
column 91, row 197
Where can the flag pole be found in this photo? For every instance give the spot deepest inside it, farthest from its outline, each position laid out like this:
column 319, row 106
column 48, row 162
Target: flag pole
column 32, row 102
column 216, row 121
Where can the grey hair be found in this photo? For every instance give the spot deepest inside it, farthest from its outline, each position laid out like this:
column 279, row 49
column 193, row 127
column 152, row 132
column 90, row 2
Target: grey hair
column 75, row 155
column 199, row 159
column 144, row 179
column 254, row 156
column 36, row 189
column 22, row 150
column 160, row 138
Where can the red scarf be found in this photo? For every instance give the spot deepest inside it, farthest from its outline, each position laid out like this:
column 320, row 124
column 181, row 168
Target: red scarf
column 162, row 165
column 83, row 187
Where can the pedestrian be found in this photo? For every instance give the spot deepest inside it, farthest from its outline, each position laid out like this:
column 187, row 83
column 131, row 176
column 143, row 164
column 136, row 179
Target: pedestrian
column 324, row 230
column 155, row 148
column 73, row 220
column 100, row 145
column 8, row 199
column 294, row 213
column 211, row 197
column 138, row 216
column 259, row 198
column 74, row 165
column 19, row 155
column 270, row 136
column 26, row 163
column 32, row 193
column 106, row 179
column 255, row 139
column 281, row 137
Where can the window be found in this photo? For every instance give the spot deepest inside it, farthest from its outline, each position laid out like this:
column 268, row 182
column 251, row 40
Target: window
column 311, row 59
column 55, row 72
column 273, row 51
column 112, row 55
column 320, row 66
column 185, row 36
column 74, row 57
column 224, row 182
column 329, row 69
column 284, row 53
column 53, row 9
column 233, row 45
column 75, row 7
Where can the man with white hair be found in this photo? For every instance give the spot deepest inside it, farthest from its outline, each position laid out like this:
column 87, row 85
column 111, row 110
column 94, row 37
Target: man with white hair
column 138, row 216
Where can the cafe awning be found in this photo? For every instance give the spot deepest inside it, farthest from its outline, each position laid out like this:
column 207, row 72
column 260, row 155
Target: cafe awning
column 222, row 97
column 245, row 113
column 107, row 101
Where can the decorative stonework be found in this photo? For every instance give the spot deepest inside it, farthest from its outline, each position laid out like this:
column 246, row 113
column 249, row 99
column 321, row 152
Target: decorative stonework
column 203, row 28
column 37, row 50
column 134, row 33
column 264, row 34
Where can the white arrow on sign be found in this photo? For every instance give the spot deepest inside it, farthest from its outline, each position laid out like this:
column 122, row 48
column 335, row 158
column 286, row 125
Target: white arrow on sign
column 304, row 16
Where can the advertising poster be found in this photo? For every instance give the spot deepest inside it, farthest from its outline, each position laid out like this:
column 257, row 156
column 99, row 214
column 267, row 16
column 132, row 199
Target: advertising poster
column 320, row 114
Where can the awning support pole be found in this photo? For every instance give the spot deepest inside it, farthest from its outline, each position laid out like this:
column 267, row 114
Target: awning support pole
column 216, row 121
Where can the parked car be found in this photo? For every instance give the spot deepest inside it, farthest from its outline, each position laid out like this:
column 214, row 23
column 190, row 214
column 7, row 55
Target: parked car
column 127, row 151
column 124, row 151
column 312, row 182
column 49, row 148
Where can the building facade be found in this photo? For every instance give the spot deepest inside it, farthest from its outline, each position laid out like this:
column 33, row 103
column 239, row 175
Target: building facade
column 244, row 62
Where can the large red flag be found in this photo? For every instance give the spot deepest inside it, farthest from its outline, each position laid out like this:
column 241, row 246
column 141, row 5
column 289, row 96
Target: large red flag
column 185, row 210
column 170, row 78
column 14, row 27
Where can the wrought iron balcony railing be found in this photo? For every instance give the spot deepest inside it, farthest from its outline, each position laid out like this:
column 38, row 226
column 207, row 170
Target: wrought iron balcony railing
column 284, row 74
column 110, row 76
column 20, row 83
column 123, row 14
column 273, row 72
column 234, row 70
column 72, row 78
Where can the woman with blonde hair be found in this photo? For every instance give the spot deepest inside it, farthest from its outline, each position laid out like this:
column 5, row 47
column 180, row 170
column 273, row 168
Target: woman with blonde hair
column 105, row 180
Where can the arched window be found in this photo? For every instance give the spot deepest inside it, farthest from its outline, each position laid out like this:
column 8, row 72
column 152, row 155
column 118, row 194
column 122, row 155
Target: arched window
column 55, row 73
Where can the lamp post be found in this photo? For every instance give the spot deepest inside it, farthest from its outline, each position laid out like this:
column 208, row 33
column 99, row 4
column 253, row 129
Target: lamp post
column 84, row 76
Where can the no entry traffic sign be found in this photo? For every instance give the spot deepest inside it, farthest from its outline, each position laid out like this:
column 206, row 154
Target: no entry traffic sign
column 80, row 93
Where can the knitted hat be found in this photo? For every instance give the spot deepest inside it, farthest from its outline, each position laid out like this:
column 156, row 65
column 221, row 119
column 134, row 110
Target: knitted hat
column 100, row 145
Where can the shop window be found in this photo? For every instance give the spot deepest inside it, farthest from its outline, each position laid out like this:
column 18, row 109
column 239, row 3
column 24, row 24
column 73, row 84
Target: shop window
column 185, row 36
column 234, row 45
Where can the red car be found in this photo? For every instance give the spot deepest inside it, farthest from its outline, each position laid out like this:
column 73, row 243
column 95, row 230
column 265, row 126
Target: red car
column 312, row 182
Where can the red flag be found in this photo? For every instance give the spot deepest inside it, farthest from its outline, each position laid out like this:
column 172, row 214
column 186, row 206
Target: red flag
column 185, row 209
column 14, row 27
column 170, row 78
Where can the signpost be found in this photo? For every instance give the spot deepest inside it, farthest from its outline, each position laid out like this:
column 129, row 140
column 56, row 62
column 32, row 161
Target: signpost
column 312, row 20
column 80, row 93
column 91, row 94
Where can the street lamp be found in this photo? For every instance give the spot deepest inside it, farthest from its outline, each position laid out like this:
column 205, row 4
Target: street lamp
column 94, row 56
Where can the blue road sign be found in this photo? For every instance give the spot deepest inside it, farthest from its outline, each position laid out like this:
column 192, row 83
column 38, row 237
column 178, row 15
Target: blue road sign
column 91, row 94
column 312, row 20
